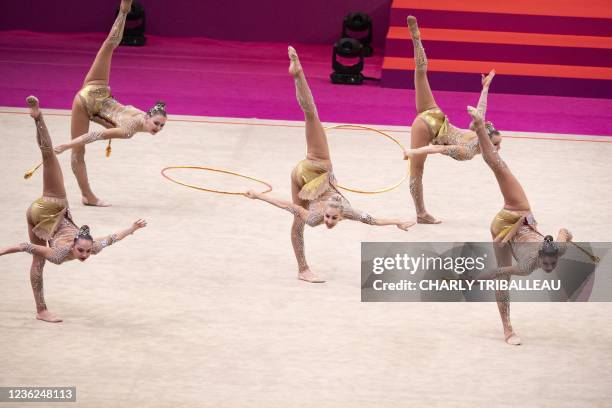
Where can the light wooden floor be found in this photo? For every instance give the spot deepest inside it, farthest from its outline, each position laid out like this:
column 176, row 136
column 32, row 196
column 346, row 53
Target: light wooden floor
column 203, row 307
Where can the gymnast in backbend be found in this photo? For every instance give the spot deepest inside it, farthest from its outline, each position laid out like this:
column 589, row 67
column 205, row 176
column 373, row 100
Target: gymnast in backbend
column 315, row 196
column 49, row 221
column 94, row 102
column 431, row 131
column 514, row 229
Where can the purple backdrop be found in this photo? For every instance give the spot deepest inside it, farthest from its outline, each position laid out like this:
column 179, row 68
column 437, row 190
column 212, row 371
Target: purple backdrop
column 220, row 78
column 308, row 21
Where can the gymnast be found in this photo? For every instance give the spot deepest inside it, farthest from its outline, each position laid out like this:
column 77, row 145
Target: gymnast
column 431, row 126
column 49, row 220
column 316, row 199
column 514, row 229
column 94, row 102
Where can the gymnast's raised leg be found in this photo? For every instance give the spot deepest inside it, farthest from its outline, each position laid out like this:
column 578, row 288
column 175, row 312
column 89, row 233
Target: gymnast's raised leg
column 420, row 134
column 317, row 150
column 99, row 74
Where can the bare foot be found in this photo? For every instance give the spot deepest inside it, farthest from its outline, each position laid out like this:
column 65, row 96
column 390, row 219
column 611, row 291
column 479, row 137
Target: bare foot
column 308, row 276
column 47, row 316
column 414, row 28
column 427, row 218
column 295, row 68
column 95, row 202
column 512, row 339
column 126, row 6
column 32, row 102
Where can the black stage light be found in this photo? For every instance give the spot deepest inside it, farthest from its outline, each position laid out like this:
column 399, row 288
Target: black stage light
column 347, row 48
column 133, row 34
column 357, row 23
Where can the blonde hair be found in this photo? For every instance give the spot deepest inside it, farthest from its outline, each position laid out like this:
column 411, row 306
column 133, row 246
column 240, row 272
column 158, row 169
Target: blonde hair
column 335, row 202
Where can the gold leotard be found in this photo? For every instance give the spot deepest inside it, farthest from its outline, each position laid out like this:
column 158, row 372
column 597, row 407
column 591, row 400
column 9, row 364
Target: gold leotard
column 93, row 96
column 103, row 109
column 318, row 185
column 45, row 215
column 53, row 223
column 313, row 178
column 444, row 133
column 504, row 221
column 436, row 120
column 463, row 143
column 525, row 240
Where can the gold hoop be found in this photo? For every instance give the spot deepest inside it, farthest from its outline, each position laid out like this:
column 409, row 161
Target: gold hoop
column 210, row 190
column 394, row 140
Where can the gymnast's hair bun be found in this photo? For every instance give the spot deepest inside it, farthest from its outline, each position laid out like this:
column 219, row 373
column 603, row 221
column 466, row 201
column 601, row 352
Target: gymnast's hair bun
column 549, row 247
column 335, row 202
column 158, row 109
column 490, row 128
column 84, row 233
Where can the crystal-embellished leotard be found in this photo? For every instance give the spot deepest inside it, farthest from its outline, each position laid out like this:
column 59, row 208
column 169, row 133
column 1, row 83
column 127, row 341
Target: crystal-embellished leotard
column 101, row 107
column 52, row 222
column 318, row 186
column 504, row 222
column 525, row 241
column 106, row 111
column 463, row 142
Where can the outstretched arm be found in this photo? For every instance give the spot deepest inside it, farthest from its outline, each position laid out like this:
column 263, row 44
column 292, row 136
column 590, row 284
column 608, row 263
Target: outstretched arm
column 482, row 101
column 113, row 133
column 504, row 272
column 361, row 216
column 101, row 243
column 457, row 152
column 294, row 209
column 11, row 250
column 33, row 249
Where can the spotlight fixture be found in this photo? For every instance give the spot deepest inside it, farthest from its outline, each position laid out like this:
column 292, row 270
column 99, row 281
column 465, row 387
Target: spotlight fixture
column 357, row 23
column 133, row 34
column 347, row 48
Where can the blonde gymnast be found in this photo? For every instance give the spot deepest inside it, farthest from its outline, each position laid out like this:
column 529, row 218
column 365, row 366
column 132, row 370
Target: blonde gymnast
column 315, row 197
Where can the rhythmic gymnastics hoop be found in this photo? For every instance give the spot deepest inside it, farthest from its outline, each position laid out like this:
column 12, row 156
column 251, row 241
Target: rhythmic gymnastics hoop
column 388, row 136
column 210, row 190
